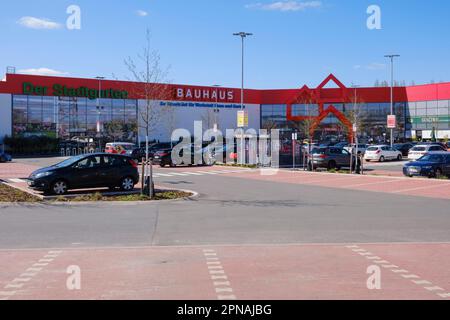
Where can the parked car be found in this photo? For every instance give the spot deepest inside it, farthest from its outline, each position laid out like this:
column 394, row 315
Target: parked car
column 422, row 149
column 123, row 148
column 87, row 171
column 341, row 145
column 361, row 148
column 5, row 157
column 382, row 153
column 329, row 158
column 433, row 165
column 404, row 148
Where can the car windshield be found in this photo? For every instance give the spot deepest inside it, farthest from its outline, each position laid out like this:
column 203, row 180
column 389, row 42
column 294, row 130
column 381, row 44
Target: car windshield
column 372, row 149
column 419, row 149
column 432, row 158
column 69, row 162
column 319, row 151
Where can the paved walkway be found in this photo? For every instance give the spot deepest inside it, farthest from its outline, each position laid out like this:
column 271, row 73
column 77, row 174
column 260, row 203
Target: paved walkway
column 406, row 271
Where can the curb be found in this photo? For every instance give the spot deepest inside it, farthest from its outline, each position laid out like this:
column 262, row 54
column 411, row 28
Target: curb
column 46, row 202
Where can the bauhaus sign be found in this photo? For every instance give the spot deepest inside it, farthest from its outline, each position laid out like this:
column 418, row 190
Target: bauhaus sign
column 204, row 94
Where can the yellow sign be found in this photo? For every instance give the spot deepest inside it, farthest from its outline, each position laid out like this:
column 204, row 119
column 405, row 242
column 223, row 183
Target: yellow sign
column 242, row 119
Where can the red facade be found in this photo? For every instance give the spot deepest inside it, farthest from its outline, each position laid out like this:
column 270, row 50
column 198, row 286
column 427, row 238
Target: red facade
column 305, row 95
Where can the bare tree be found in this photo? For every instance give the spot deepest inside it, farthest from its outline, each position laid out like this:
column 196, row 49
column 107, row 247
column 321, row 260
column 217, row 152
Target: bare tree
column 147, row 70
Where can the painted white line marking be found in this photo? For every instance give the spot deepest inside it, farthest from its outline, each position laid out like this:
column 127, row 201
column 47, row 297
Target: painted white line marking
column 33, row 269
column 193, row 173
column 382, row 262
column 222, row 290
column 422, row 282
column 368, row 184
column 400, row 271
column 210, row 254
column 410, row 276
column 7, row 293
column 219, row 278
column 434, row 288
column 351, row 247
column 4, row 299
column 158, row 175
column 359, row 250
column 21, row 280
column 215, row 267
column 212, row 259
column 14, row 286
column 26, row 275
column 46, row 260
column 16, row 180
column 373, row 258
column 177, row 174
column 223, row 283
column 217, row 272
column 55, row 252
column 390, row 266
column 209, row 251
column 366, row 253
column 40, row 264
column 213, row 262
column 444, row 295
column 423, row 188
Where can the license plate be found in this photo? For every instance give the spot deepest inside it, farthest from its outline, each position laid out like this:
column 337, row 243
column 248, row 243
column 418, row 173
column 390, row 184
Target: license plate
column 156, row 157
column 413, row 170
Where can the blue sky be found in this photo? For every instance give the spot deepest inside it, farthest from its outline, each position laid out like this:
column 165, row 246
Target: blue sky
column 294, row 42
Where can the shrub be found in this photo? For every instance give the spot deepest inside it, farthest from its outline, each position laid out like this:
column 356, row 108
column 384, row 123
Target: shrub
column 31, row 145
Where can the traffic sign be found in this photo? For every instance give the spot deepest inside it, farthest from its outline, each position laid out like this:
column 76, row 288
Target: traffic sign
column 392, row 122
column 242, row 119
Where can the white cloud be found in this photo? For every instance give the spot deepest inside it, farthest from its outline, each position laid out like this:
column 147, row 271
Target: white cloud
column 43, row 72
column 285, row 6
column 38, row 23
column 142, row 13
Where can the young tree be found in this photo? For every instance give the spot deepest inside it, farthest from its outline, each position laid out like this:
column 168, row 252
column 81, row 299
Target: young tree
column 147, row 70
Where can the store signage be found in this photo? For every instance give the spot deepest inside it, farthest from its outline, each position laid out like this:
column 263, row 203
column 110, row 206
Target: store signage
column 242, row 119
column 392, row 122
column 59, row 90
column 204, row 94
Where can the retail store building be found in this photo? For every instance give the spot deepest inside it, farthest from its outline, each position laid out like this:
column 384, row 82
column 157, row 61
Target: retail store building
column 70, row 108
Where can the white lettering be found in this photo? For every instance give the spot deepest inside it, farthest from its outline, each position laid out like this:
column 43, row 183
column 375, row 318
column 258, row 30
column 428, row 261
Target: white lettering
column 374, row 20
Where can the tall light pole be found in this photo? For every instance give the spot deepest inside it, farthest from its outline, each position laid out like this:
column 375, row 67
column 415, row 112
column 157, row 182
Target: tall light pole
column 216, row 109
column 243, row 35
column 392, row 57
column 99, row 124
column 355, row 131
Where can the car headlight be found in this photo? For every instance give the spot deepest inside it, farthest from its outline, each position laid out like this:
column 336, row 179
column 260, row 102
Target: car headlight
column 43, row 174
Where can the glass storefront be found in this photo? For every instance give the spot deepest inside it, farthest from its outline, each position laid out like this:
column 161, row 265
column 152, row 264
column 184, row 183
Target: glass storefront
column 71, row 118
column 372, row 118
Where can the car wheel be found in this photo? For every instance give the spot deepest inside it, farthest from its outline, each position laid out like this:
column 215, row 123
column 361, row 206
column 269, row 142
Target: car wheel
column 59, row 187
column 162, row 165
column 127, row 184
column 400, row 157
column 2, row 159
column 332, row 165
column 382, row 159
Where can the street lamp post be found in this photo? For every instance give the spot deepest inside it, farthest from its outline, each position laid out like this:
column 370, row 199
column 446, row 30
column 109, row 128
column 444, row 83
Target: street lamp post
column 392, row 57
column 216, row 109
column 243, row 35
column 99, row 124
column 355, row 132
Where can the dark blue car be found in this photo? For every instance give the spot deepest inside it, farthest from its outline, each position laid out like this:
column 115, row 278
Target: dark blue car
column 432, row 165
column 4, row 157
